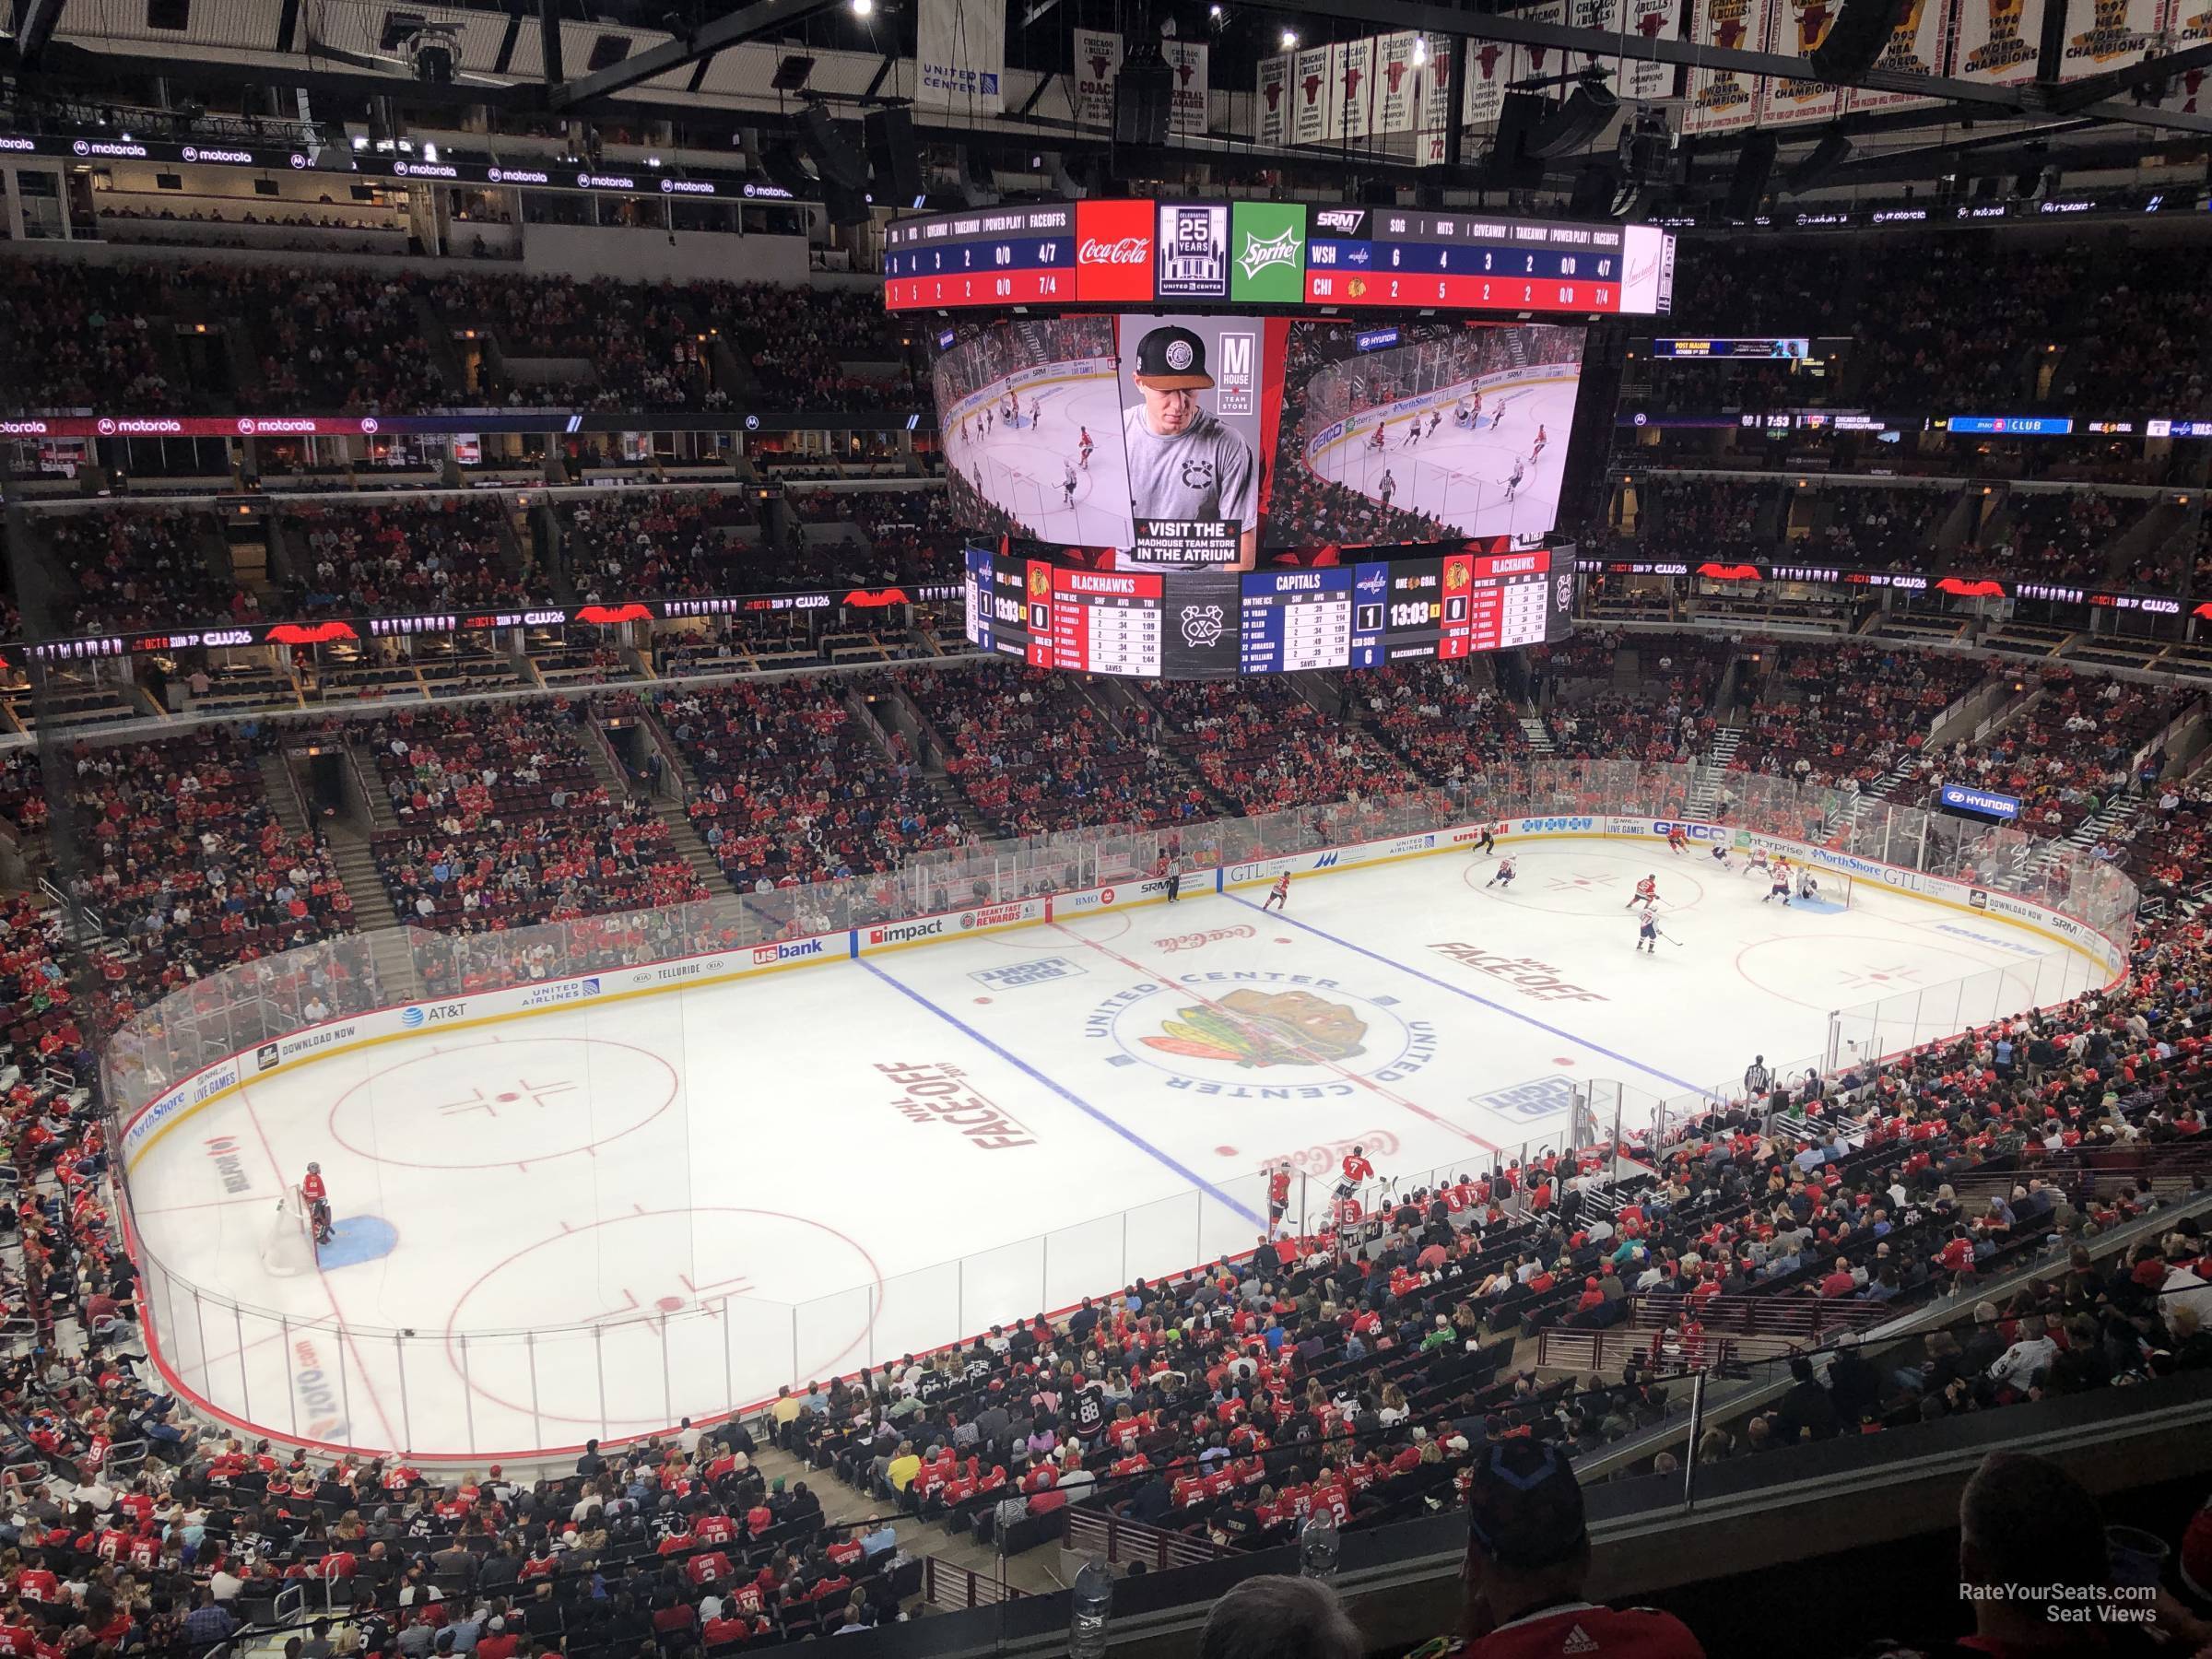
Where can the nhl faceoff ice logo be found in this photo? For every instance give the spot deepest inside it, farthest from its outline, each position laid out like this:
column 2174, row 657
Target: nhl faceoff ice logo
column 1279, row 250
column 1201, row 623
column 1179, row 355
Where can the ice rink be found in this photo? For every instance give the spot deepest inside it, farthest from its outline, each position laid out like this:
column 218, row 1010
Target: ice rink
column 1023, row 465
column 1464, row 475
column 593, row 1221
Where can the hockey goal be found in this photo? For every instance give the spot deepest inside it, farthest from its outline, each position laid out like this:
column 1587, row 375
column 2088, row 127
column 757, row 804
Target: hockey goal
column 1833, row 890
column 289, row 1249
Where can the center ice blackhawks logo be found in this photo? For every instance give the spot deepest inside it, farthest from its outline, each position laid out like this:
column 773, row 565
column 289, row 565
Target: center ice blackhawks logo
column 1260, row 1036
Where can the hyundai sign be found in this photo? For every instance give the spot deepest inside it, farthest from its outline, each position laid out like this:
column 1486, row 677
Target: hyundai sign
column 1980, row 803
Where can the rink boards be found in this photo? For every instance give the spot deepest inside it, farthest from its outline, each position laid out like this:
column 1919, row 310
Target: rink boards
column 382, row 1026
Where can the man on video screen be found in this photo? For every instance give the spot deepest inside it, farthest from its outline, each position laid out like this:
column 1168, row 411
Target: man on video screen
column 1184, row 463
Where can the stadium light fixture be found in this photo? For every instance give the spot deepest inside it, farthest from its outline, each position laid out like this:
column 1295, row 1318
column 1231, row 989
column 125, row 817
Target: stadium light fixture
column 864, row 8
column 1289, row 40
column 1421, row 51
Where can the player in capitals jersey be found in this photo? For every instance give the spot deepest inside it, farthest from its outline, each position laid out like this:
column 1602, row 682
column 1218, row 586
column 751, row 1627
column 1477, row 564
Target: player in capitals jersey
column 1183, row 464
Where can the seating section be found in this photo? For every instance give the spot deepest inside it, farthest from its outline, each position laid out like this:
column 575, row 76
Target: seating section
column 1441, row 719
column 502, row 822
column 661, row 544
column 1260, row 747
column 1032, row 752
column 139, row 569
column 400, row 557
column 1849, row 711
column 792, row 787
column 338, row 342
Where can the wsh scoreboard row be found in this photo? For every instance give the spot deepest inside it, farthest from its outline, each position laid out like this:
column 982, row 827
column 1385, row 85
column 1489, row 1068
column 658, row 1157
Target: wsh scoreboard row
column 1329, row 260
column 1212, row 625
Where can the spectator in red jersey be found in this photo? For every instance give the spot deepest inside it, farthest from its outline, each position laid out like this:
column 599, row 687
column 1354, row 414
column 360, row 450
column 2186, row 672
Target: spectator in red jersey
column 1275, row 1616
column 1528, row 1557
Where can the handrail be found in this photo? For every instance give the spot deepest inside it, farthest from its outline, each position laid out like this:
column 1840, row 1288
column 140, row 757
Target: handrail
column 951, row 1588
column 1095, row 1531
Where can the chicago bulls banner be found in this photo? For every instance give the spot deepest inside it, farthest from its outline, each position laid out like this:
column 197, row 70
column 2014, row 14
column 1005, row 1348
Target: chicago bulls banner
column 1999, row 41
column 1800, row 26
column 1270, row 102
column 1397, row 83
column 1309, row 96
column 1098, row 61
column 1721, row 100
column 1186, row 62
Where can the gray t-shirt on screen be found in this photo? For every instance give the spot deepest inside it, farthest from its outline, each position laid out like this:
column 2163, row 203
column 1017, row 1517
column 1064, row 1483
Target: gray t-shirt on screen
column 1204, row 472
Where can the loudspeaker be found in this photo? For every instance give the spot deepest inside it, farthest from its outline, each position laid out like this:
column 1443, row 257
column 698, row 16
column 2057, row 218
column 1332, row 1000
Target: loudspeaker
column 846, row 206
column 822, row 144
column 1143, row 94
column 894, row 159
column 1754, row 167
column 1595, row 188
column 781, row 164
column 979, row 184
column 1588, row 111
column 1830, row 153
column 1511, row 166
column 1856, row 38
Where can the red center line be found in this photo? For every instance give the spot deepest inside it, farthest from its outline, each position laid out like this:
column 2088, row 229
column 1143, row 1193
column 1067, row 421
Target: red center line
column 1349, row 1077
column 344, row 1331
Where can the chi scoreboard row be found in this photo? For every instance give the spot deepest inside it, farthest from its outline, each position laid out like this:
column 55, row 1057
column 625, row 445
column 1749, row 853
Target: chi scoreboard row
column 1212, row 625
column 1326, row 259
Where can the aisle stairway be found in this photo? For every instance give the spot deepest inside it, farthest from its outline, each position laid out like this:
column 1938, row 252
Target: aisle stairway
column 1705, row 785
column 1538, row 736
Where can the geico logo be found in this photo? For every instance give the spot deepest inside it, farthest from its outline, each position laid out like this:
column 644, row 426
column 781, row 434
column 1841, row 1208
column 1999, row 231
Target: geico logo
column 1694, row 832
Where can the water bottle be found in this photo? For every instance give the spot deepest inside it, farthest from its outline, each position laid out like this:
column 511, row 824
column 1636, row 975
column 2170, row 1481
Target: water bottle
column 1318, row 1543
column 1093, row 1604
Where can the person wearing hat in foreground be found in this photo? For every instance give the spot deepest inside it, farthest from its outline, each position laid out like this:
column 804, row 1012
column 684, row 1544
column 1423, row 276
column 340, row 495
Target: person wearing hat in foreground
column 1183, row 464
column 1528, row 1557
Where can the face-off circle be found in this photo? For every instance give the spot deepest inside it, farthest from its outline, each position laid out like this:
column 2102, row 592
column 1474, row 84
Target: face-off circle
column 472, row 1105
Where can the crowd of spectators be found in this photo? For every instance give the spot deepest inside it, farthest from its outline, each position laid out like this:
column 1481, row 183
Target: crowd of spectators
column 1849, row 712
column 659, row 543
column 2062, row 536
column 1261, row 747
column 1699, row 519
column 341, row 342
column 136, row 568
column 1877, row 529
column 644, row 342
column 792, row 788
column 1443, row 720
column 503, row 822
column 401, row 555
column 1031, row 752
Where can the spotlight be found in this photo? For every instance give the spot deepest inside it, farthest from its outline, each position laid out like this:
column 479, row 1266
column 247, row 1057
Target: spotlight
column 1289, row 40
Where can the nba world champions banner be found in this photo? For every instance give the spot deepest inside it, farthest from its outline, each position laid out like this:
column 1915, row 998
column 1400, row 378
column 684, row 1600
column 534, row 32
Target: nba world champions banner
column 2114, row 35
column 1998, row 41
column 1915, row 47
column 1721, row 100
column 2191, row 25
column 1800, row 26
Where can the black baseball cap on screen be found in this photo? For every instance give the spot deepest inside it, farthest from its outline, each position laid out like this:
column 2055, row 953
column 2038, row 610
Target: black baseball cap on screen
column 1172, row 359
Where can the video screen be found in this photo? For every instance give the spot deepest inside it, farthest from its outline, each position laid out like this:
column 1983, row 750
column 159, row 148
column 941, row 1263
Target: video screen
column 1159, row 442
column 1421, row 431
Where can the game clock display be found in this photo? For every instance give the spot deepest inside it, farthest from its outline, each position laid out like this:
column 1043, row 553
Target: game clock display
column 1214, row 625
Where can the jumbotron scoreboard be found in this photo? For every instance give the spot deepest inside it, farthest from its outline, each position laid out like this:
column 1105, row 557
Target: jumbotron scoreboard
column 1291, row 255
column 1214, row 625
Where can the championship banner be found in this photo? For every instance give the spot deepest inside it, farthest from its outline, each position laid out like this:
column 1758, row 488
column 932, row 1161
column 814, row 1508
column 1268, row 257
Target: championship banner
column 1399, row 85
column 1351, row 86
column 2118, row 32
column 1308, row 96
column 1490, row 66
column 1098, row 61
column 1186, row 62
column 2190, row 24
column 1534, row 63
column 1998, row 41
column 1721, row 100
column 960, row 55
column 1604, row 17
column 1643, row 77
column 1915, row 48
column 1435, row 101
column 1799, row 27
column 1270, row 102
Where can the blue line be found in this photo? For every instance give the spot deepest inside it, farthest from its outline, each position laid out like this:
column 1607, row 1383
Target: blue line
column 1023, row 1067
column 1649, row 1071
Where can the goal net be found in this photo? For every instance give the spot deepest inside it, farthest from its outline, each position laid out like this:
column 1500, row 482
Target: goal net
column 289, row 1249
column 1832, row 890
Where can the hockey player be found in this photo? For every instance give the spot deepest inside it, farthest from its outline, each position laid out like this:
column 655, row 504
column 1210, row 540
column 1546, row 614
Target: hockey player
column 1808, row 886
column 1720, row 856
column 1356, row 1173
column 1486, row 845
column 1757, row 864
column 1278, row 895
column 1463, row 416
column 1503, row 875
column 1379, row 439
column 1387, row 488
column 1083, row 448
column 315, row 1200
column 1647, row 895
column 1513, row 483
column 1413, row 433
column 1278, row 1191
column 1677, row 839
column 1647, row 932
column 1036, row 413
column 1778, row 885
column 1436, row 419
column 1067, row 483
column 1535, row 450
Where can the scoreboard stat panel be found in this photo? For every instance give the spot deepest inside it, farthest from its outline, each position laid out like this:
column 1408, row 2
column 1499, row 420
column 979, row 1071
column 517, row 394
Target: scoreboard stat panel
column 1284, row 254
column 1208, row 624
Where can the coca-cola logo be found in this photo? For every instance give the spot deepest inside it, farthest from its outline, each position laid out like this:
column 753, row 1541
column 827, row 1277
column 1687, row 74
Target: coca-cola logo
column 1129, row 250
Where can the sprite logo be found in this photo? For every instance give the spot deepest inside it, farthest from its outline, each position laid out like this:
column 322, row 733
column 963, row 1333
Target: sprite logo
column 1278, row 250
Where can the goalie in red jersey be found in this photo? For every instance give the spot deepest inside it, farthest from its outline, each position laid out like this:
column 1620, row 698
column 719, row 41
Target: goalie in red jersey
column 315, row 1200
